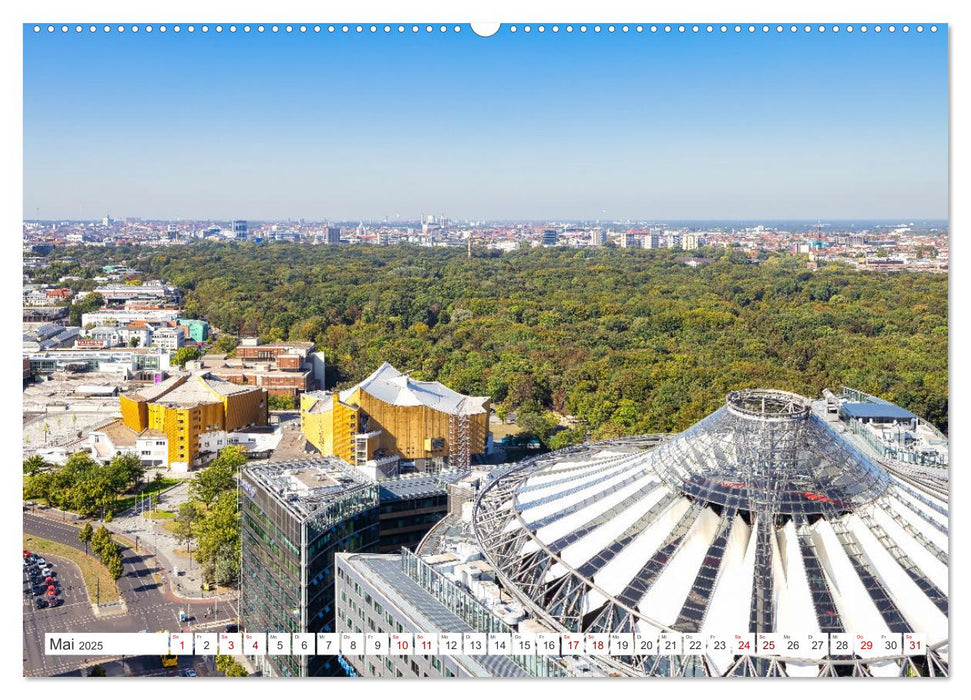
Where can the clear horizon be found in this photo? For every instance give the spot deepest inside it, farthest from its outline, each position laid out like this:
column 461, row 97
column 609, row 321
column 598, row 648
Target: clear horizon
column 345, row 127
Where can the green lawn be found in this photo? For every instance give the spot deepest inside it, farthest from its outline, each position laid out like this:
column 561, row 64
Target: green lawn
column 153, row 487
column 158, row 514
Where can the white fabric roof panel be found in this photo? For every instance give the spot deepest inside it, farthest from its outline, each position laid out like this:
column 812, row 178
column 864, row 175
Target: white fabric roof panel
column 919, row 524
column 580, row 552
column 933, row 568
column 796, row 612
column 665, row 598
column 728, row 610
column 563, row 526
column 581, row 489
column 854, row 604
column 922, row 507
column 919, row 611
column 621, row 569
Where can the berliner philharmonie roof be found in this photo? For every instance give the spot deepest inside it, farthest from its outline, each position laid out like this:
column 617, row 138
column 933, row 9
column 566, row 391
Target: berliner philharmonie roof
column 762, row 517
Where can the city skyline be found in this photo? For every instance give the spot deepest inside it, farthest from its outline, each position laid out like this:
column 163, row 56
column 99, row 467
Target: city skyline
column 774, row 126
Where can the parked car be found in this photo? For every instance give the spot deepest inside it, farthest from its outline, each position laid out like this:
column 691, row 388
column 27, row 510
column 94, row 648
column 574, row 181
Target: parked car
column 232, row 628
column 54, row 601
column 40, row 603
column 40, row 561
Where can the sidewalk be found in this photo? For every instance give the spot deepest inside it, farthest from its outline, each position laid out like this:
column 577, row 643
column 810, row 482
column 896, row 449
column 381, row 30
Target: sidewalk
column 183, row 574
column 156, row 542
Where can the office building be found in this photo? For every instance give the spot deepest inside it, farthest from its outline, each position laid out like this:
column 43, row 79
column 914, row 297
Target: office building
column 693, row 241
column 140, row 363
column 240, row 230
column 168, row 339
column 198, row 330
column 389, row 593
column 651, row 240
column 295, row 517
column 410, row 507
column 332, row 235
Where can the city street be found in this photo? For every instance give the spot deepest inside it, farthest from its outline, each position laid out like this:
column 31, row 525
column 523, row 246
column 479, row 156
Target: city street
column 149, row 605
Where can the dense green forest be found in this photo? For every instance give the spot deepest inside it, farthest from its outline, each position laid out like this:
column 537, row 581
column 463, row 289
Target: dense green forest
column 628, row 341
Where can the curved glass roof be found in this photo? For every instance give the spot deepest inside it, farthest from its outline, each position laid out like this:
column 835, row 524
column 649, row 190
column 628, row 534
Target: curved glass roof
column 761, row 517
column 766, row 451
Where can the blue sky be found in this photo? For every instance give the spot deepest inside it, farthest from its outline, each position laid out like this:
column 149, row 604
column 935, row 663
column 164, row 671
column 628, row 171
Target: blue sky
column 559, row 126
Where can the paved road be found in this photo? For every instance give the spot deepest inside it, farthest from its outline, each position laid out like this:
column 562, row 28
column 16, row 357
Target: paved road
column 150, row 607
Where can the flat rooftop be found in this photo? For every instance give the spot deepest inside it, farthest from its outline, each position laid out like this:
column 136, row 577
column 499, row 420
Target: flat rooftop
column 384, row 572
column 407, row 487
column 886, row 411
column 305, row 485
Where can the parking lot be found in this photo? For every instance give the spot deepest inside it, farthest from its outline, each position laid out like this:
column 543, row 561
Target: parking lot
column 145, row 607
column 71, row 614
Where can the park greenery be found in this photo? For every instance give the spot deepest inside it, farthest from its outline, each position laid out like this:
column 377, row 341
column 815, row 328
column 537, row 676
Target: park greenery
column 91, row 302
column 185, row 354
column 210, row 519
column 626, row 341
column 281, row 402
column 230, row 666
column 108, row 551
column 82, row 485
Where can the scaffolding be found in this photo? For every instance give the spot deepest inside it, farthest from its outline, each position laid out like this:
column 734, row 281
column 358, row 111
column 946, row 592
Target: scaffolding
column 459, row 442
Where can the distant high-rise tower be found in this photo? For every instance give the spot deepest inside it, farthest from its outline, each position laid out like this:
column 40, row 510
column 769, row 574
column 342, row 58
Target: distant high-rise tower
column 652, row 240
column 332, row 235
column 240, row 229
column 598, row 237
column 549, row 237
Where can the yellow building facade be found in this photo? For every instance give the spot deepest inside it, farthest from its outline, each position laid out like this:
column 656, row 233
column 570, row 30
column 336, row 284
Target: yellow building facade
column 392, row 416
column 187, row 407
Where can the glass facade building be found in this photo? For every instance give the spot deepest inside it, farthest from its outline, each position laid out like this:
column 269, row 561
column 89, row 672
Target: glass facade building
column 410, row 507
column 295, row 517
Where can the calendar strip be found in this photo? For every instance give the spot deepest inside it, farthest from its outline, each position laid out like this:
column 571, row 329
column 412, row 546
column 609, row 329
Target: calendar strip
column 810, row 646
